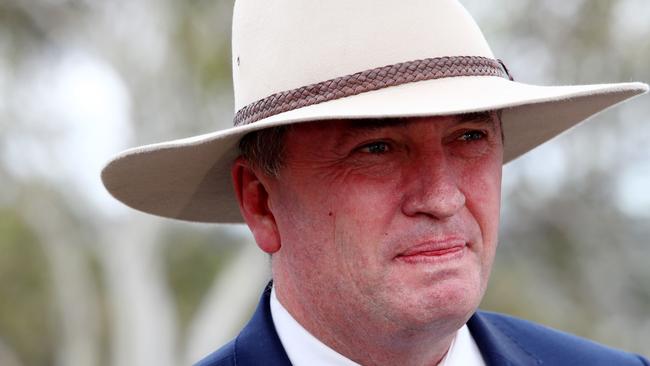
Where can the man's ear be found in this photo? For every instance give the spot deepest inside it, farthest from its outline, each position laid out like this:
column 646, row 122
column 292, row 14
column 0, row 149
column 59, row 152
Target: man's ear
column 254, row 206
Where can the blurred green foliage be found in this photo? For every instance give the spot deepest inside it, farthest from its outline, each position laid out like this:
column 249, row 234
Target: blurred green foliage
column 193, row 258
column 26, row 319
column 209, row 55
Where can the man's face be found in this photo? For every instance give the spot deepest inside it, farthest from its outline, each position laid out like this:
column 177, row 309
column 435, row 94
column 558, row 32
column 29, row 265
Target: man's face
column 393, row 219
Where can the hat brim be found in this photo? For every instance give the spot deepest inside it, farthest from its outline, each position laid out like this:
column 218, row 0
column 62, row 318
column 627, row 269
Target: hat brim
column 189, row 179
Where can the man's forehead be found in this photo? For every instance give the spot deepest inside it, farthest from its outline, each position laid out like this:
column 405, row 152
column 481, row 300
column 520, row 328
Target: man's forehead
column 365, row 124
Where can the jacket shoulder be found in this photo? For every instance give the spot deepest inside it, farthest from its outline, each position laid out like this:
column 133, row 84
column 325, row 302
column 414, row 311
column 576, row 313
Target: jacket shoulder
column 257, row 344
column 224, row 356
column 550, row 346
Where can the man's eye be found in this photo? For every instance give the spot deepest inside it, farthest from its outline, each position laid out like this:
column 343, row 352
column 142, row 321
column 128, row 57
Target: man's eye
column 472, row 135
column 375, row 148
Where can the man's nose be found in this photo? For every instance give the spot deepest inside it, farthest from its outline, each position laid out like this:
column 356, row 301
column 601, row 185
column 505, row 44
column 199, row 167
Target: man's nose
column 432, row 190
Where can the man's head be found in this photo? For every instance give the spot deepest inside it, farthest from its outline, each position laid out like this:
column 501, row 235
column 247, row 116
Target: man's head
column 311, row 60
column 392, row 219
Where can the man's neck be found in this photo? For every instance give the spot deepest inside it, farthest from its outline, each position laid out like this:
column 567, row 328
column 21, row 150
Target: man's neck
column 366, row 339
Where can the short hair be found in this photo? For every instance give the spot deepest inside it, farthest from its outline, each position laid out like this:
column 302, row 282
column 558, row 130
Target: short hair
column 264, row 149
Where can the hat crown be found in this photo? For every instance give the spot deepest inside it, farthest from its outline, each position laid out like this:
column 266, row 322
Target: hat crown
column 280, row 45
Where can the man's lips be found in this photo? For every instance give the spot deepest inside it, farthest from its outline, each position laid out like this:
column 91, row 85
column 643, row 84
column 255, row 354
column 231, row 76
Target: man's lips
column 433, row 249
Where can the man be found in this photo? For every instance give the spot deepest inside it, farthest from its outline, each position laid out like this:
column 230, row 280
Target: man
column 366, row 159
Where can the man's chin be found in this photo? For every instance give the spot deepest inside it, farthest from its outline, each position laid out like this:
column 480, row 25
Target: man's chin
column 447, row 302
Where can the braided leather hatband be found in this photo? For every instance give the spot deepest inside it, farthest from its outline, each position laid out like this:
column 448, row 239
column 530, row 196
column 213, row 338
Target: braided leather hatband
column 368, row 80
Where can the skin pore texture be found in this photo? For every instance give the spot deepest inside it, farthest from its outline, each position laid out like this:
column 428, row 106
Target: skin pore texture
column 382, row 232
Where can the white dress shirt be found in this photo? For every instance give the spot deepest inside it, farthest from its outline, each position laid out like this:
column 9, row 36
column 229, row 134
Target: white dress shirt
column 304, row 349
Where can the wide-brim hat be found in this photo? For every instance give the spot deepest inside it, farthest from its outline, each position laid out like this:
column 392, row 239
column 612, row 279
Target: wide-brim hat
column 311, row 60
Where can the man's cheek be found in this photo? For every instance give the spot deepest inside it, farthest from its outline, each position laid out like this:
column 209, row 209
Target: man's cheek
column 483, row 191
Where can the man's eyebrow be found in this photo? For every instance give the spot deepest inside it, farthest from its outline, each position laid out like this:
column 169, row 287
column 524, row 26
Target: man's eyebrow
column 364, row 126
column 476, row 117
column 375, row 123
column 487, row 118
column 371, row 124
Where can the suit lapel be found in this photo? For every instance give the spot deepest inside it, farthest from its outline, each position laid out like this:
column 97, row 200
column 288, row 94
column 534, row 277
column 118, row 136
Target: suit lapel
column 258, row 343
column 497, row 347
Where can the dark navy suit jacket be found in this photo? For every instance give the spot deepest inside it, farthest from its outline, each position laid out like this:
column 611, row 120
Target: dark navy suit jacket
column 502, row 340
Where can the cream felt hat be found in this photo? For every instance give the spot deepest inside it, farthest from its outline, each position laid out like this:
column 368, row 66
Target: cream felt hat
column 305, row 60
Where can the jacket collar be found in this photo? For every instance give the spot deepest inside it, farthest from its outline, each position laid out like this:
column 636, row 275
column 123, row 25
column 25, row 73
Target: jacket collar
column 496, row 346
column 258, row 343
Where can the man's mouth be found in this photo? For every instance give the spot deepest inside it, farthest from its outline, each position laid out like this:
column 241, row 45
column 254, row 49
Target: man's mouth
column 433, row 251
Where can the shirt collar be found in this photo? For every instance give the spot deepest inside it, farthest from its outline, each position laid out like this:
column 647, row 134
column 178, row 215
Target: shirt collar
column 304, row 349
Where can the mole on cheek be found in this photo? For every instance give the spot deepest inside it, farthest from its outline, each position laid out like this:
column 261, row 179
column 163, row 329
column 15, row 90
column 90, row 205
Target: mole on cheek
column 330, row 213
